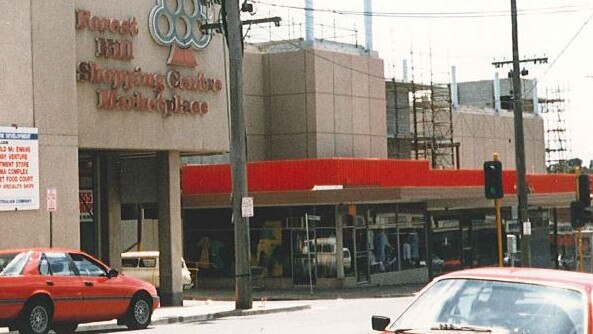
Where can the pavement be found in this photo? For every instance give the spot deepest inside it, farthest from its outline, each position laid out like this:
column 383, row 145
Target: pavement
column 304, row 293
column 205, row 305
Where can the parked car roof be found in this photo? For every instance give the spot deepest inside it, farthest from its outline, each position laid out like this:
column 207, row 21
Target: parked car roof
column 39, row 249
column 531, row 275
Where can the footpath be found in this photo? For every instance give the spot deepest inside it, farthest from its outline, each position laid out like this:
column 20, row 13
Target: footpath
column 205, row 305
column 304, row 293
column 209, row 304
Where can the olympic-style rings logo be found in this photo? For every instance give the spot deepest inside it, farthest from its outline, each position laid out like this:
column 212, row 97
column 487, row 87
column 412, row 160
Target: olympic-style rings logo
column 179, row 14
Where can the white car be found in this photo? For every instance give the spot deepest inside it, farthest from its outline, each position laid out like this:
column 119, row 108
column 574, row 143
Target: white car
column 144, row 265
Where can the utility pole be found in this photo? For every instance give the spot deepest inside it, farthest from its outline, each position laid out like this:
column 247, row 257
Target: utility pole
column 234, row 37
column 519, row 141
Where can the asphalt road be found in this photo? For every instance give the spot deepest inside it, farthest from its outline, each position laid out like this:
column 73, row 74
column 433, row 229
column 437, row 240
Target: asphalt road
column 346, row 316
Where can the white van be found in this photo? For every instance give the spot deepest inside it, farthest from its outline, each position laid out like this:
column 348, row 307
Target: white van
column 144, row 265
column 326, row 252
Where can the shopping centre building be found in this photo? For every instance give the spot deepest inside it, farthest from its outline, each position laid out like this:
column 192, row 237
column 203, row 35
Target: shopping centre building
column 101, row 101
column 109, row 97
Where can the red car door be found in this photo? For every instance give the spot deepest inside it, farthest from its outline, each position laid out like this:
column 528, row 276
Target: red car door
column 105, row 297
column 65, row 287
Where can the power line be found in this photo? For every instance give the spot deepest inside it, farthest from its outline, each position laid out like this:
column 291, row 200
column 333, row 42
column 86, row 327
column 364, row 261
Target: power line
column 437, row 15
column 569, row 43
column 324, row 58
column 572, row 39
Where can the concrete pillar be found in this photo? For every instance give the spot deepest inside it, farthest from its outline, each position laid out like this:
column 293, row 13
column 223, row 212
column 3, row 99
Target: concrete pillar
column 454, row 93
column 496, row 86
column 309, row 22
column 113, row 202
column 368, row 25
column 339, row 243
column 169, row 206
column 404, row 70
column 535, row 98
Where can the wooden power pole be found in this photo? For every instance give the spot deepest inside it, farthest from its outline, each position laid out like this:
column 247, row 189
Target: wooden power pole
column 234, row 36
column 519, row 142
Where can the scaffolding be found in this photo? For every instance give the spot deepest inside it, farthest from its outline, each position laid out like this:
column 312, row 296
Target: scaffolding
column 442, row 148
column 432, row 123
column 552, row 109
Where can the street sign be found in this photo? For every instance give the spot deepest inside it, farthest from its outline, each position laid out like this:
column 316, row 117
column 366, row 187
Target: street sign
column 527, row 228
column 314, row 218
column 247, row 207
column 52, row 199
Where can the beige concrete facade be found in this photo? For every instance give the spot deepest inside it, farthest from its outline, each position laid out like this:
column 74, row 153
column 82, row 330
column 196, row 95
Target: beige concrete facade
column 42, row 47
column 482, row 132
column 312, row 101
column 102, row 80
column 38, row 90
column 134, row 130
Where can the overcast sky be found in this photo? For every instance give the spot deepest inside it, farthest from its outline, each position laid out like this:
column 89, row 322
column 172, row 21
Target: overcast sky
column 469, row 34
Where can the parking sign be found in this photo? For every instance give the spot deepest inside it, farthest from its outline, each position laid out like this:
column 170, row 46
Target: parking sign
column 52, row 199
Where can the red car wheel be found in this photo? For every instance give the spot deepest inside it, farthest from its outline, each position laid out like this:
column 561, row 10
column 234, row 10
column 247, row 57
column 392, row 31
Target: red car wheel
column 139, row 313
column 36, row 318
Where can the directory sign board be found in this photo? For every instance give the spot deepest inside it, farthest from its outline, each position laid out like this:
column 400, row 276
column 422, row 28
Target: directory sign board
column 19, row 168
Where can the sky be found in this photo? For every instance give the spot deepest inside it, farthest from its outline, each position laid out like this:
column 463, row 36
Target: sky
column 434, row 35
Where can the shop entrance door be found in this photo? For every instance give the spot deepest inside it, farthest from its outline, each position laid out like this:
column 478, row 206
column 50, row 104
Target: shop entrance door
column 303, row 257
column 362, row 264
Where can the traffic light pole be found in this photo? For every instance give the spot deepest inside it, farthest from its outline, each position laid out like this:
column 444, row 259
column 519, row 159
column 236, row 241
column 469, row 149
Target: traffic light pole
column 499, row 231
column 580, row 249
column 519, row 142
column 497, row 203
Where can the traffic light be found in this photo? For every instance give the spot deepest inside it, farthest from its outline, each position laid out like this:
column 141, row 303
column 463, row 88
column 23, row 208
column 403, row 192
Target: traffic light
column 493, row 179
column 579, row 214
column 584, row 190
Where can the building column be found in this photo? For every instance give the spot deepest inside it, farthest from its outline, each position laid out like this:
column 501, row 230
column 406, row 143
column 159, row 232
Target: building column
column 110, row 209
column 169, row 206
column 114, row 204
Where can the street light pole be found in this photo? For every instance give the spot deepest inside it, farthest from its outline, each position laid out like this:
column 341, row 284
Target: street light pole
column 519, row 141
column 238, row 156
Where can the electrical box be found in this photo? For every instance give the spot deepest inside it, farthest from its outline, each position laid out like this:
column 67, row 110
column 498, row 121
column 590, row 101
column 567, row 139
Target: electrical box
column 511, row 244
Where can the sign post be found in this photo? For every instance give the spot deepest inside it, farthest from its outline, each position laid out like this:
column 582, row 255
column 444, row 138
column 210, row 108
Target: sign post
column 493, row 189
column 52, row 206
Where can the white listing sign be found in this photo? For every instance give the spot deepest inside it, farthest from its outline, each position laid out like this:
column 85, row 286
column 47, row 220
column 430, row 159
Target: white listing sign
column 19, row 169
column 527, row 228
column 247, row 207
column 52, row 200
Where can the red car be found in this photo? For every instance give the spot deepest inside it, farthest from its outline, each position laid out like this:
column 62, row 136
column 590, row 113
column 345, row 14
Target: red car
column 43, row 289
column 499, row 300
